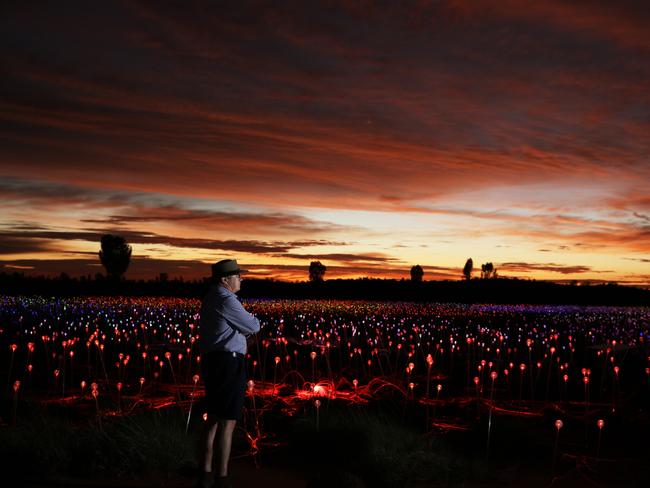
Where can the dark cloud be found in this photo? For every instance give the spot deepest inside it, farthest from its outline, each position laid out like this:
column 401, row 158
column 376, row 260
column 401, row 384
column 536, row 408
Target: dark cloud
column 340, row 257
column 555, row 268
column 321, row 103
column 16, row 245
column 34, row 241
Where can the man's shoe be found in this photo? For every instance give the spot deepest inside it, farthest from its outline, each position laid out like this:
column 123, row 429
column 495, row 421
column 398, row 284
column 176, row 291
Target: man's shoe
column 222, row 482
column 206, row 480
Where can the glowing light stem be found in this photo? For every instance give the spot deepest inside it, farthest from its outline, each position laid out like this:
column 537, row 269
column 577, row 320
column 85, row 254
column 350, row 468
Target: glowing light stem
column 15, row 409
column 489, row 430
column 101, row 358
column 11, row 365
column 532, row 379
column 99, row 416
column 601, row 424
column 558, row 426
column 189, row 413
column 548, row 377
column 329, row 368
column 275, row 376
column 171, row 367
column 251, row 389
column 62, row 363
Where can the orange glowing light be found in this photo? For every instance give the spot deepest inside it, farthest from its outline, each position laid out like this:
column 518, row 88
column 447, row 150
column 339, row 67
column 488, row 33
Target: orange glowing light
column 559, row 424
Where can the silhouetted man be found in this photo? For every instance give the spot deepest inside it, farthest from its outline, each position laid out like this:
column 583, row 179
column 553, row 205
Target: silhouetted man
column 224, row 327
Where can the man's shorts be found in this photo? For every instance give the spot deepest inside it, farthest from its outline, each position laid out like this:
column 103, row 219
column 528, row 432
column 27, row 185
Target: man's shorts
column 224, row 377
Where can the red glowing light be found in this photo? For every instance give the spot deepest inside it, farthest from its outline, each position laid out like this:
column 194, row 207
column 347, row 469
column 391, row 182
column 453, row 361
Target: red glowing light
column 559, row 424
column 601, row 423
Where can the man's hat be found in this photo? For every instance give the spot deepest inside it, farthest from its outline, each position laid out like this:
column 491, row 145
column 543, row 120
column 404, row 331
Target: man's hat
column 226, row 267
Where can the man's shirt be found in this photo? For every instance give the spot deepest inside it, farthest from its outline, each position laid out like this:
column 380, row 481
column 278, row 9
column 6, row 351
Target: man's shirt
column 224, row 322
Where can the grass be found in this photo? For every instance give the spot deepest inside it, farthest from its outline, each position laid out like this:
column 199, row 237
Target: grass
column 49, row 444
column 357, row 447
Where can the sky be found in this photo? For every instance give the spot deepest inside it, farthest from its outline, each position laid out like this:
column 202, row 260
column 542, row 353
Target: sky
column 368, row 135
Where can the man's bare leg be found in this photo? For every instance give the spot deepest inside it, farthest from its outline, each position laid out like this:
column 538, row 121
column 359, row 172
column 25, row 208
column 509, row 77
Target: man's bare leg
column 206, row 477
column 224, row 443
column 208, row 445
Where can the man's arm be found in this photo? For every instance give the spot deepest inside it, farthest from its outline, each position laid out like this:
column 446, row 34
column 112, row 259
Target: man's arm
column 239, row 318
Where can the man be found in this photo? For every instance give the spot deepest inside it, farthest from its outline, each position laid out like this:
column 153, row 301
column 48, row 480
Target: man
column 224, row 327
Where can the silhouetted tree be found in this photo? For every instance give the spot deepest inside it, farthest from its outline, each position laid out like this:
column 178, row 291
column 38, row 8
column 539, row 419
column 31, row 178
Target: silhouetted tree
column 316, row 271
column 417, row 273
column 115, row 255
column 467, row 270
column 488, row 271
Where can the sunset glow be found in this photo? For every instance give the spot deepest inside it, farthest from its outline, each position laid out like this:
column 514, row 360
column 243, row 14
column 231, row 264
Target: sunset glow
column 369, row 136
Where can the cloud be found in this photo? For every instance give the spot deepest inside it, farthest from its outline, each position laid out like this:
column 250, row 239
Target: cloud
column 340, row 257
column 129, row 209
column 33, row 241
column 552, row 267
column 285, row 109
column 16, row 244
